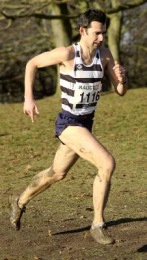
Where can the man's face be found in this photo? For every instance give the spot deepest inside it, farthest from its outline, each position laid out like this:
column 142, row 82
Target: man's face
column 94, row 35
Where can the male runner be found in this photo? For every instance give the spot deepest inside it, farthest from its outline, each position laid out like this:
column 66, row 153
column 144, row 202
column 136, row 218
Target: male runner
column 82, row 68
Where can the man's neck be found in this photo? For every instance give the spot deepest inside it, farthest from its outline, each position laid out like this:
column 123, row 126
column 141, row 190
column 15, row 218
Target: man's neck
column 87, row 53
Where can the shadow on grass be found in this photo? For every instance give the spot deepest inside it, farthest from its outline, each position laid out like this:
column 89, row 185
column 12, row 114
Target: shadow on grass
column 109, row 224
column 125, row 220
column 142, row 249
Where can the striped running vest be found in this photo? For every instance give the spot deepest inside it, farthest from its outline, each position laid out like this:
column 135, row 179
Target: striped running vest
column 80, row 89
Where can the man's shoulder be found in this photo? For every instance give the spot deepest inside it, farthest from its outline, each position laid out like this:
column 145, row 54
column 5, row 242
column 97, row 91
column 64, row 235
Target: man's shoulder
column 106, row 55
column 105, row 51
column 71, row 51
column 67, row 52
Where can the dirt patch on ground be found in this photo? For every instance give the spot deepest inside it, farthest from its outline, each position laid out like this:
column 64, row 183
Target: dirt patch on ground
column 51, row 236
column 57, row 222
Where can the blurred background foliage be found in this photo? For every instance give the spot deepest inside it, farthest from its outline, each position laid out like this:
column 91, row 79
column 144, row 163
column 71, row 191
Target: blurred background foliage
column 29, row 27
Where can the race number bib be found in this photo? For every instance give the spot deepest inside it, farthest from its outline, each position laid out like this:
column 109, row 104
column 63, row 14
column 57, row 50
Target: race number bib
column 87, row 94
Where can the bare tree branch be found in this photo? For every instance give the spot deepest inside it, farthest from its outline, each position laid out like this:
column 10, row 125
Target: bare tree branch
column 38, row 15
column 121, row 7
column 126, row 6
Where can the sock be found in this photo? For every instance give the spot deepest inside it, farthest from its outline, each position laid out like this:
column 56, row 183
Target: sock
column 101, row 224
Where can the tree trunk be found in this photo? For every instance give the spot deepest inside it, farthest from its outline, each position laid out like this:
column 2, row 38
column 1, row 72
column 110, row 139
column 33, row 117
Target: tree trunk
column 62, row 31
column 114, row 31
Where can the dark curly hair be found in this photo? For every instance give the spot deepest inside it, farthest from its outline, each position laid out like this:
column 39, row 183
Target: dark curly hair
column 91, row 15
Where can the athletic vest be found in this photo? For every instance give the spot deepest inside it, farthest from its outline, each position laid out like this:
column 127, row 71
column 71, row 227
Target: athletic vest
column 80, row 89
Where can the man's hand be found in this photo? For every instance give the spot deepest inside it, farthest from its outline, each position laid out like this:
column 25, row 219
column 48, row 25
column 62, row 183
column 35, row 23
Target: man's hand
column 120, row 73
column 30, row 109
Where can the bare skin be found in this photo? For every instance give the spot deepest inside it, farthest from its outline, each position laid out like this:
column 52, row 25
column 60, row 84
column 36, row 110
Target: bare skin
column 85, row 145
column 91, row 39
column 63, row 161
column 82, row 144
column 90, row 149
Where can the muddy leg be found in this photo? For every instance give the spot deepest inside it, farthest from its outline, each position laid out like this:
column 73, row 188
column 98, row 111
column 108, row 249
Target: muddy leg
column 90, row 149
column 63, row 161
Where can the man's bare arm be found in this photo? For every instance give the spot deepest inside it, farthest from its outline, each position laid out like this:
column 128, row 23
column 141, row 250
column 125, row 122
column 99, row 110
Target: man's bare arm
column 116, row 74
column 45, row 59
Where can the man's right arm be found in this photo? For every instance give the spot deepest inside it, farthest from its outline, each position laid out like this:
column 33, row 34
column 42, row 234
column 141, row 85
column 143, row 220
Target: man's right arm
column 30, row 107
column 45, row 59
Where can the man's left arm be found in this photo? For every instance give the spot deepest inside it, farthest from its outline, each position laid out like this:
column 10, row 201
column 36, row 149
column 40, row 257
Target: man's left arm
column 117, row 75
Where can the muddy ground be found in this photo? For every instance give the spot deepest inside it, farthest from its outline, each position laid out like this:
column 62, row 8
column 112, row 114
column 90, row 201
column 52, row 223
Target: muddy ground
column 56, row 223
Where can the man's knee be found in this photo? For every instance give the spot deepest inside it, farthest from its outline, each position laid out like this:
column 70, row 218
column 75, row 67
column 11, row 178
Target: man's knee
column 108, row 167
column 59, row 174
column 110, row 164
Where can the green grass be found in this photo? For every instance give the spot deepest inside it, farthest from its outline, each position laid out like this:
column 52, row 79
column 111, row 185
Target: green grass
column 26, row 148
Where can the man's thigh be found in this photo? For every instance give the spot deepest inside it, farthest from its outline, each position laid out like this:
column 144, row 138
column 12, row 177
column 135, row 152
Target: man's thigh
column 64, row 159
column 82, row 142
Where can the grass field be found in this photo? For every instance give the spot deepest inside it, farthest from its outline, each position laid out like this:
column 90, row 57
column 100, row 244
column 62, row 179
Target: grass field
column 56, row 224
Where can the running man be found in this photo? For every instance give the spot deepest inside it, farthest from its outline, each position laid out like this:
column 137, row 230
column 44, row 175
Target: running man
column 82, row 68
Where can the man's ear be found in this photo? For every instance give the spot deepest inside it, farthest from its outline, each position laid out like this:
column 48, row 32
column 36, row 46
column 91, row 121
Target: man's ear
column 82, row 30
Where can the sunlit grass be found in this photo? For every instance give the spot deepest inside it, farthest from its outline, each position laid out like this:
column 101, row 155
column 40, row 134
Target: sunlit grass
column 26, row 148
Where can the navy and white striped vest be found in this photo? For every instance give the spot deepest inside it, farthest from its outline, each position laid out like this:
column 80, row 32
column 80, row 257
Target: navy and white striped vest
column 81, row 87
